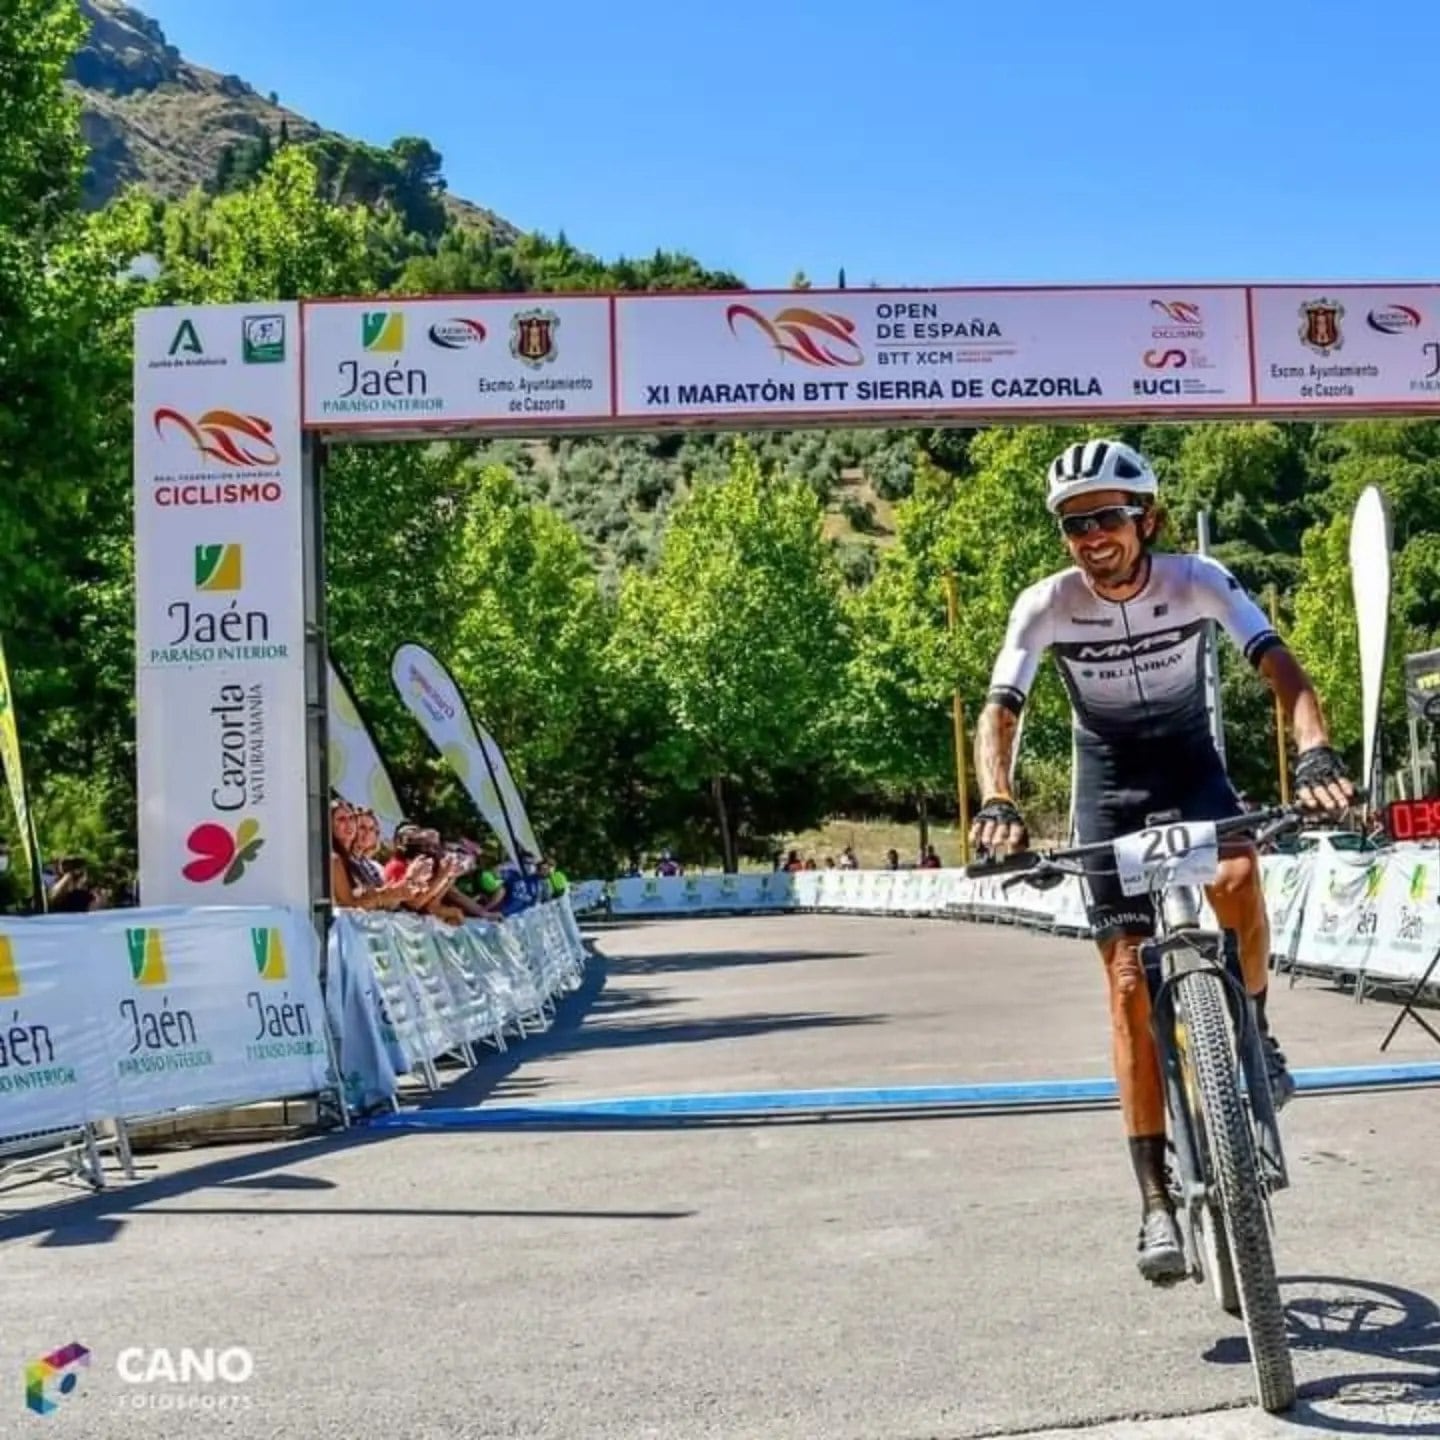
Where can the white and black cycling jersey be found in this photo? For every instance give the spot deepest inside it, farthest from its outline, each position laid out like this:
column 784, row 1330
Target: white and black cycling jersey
column 1134, row 668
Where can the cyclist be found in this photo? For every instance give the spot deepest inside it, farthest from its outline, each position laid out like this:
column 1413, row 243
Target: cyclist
column 1126, row 628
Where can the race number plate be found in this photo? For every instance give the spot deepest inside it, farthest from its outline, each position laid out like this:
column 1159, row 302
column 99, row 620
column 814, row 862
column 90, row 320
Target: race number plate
column 1187, row 854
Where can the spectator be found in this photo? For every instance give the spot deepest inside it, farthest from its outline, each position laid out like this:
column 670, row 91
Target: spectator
column 668, row 864
column 417, row 852
column 848, row 860
column 352, row 885
column 929, row 860
column 553, row 879
column 892, row 859
column 792, row 862
column 71, row 893
column 490, row 901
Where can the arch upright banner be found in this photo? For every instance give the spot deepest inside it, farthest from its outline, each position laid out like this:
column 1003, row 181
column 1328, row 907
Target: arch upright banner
column 219, row 607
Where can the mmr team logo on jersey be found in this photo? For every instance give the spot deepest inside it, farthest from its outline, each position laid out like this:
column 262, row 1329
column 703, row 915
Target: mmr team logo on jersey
column 1320, row 327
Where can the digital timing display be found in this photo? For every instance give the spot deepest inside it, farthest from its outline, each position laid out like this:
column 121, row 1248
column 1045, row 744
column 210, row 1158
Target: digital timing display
column 1413, row 819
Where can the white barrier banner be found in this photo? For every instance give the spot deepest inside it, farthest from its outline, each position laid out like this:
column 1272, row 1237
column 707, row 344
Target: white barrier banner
column 1408, row 929
column 1342, row 913
column 53, row 1068
column 138, row 1012
column 917, row 352
column 1337, row 346
column 219, row 607
column 202, row 1010
column 525, row 362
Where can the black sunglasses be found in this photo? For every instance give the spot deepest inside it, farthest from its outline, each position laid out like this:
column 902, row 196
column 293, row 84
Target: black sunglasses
column 1109, row 518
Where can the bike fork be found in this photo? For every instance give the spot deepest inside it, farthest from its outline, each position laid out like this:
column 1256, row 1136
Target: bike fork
column 1190, row 1180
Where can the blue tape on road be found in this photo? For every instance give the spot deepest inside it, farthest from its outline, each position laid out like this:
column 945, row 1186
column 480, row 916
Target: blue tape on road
column 1015, row 1094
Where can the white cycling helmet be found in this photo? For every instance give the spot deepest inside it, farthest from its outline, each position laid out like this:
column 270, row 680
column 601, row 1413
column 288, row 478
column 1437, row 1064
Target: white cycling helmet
column 1096, row 465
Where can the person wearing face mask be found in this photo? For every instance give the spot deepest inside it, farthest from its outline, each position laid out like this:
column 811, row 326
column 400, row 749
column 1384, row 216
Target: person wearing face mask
column 1126, row 626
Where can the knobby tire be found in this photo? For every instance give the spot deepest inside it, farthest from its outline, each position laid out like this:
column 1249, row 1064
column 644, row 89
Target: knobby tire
column 1237, row 1175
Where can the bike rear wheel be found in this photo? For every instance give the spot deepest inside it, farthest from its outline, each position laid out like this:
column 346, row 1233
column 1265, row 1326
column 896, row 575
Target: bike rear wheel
column 1236, row 1175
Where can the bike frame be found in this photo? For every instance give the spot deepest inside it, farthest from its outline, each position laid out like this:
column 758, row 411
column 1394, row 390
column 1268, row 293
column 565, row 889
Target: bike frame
column 1181, row 946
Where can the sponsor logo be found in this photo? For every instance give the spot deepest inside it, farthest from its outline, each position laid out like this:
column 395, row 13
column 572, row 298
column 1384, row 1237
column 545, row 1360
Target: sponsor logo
column 532, row 337
column 219, row 567
column 54, row 1377
column 1179, row 320
column 222, row 856
column 223, row 437
column 1394, row 319
column 1127, row 649
column 1410, row 927
column 187, row 339
column 1161, row 610
column 1320, row 325
column 813, row 337
column 269, row 948
column 227, row 633
column 186, row 350
column 1157, row 386
column 223, row 441
column 434, row 702
column 383, row 331
column 1417, row 886
column 1431, row 382
column 262, row 339
column 162, row 1037
column 9, row 976
column 1091, row 620
column 460, row 333
column 1374, row 881
column 147, row 957
column 1165, row 359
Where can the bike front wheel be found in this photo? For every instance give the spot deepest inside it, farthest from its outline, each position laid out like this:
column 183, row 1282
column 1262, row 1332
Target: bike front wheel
column 1235, row 1174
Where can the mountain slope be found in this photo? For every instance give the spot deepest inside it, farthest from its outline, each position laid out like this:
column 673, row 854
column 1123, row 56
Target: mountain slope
column 152, row 118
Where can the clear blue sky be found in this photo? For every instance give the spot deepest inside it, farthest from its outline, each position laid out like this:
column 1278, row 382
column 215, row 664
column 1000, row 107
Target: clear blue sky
column 912, row 141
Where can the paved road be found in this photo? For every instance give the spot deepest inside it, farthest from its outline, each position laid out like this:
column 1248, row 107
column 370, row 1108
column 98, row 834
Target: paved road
column 862, row 1279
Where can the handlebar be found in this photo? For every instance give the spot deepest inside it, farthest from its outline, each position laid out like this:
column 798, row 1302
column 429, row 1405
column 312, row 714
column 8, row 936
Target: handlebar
column 1043, row 868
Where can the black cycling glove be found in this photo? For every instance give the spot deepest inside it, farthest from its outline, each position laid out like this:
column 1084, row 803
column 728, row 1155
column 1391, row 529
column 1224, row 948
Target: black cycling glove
column 1319, row 766
column 1002, row 814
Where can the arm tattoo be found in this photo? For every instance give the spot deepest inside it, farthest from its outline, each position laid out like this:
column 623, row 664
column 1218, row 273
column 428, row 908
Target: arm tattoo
column 994, row 745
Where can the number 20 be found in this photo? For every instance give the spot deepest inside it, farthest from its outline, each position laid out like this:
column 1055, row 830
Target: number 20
column 1173, row 841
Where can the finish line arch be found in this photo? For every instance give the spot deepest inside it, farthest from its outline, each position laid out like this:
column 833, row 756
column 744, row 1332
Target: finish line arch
column 235, row 405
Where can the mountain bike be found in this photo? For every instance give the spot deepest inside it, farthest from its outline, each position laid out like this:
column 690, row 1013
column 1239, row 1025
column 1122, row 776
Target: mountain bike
column 1226, row 1158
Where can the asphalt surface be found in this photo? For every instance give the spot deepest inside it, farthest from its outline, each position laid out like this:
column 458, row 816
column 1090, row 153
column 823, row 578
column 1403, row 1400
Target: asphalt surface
column 889, row 1277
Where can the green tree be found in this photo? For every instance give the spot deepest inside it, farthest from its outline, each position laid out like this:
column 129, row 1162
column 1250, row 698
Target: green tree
column 735, row 640
column 64, row 437
column 279, row 239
